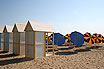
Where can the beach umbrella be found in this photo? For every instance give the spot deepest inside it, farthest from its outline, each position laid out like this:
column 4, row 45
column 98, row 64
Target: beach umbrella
column 59, row 39
column 77, row 38
column 51, row 37
column 47, row 38
column 102, row 40
column 67, row 38
column 88, row 38
column 97, row 37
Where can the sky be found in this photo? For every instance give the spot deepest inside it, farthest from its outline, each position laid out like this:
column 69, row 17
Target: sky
column 65, row 16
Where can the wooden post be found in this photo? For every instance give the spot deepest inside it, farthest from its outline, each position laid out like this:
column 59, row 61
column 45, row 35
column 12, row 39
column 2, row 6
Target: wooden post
column 34, row 43
column 19, row 45
column 47, row 43
column 4, row 43
column 44, row 44
column 53, row 43
column 8, row 41
column 13, row 42
column 25, row 43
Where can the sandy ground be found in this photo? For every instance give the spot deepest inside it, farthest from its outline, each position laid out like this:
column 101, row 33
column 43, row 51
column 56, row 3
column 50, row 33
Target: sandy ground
column 80, row 58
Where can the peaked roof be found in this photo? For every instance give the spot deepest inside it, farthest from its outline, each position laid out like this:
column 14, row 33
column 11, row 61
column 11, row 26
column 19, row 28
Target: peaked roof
column 1, row 29
column 8, row 28
column 20, row 27
column 38, row 26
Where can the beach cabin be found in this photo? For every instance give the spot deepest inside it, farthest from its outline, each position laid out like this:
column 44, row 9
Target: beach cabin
column 1, row 38
column 35, row 39
column 8, row 38
column 19, row 39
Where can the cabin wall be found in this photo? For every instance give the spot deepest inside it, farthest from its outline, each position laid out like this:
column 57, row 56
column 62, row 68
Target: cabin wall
column 2, row 41
column 6, row 41
column 15, row 42
column 29, row 47
column 22, row 43
column 10, row 42
column 19, row 43
column 39, row 44
column 34, row 44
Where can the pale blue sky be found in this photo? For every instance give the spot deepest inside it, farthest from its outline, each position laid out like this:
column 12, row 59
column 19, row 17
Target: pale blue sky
column 65, row 16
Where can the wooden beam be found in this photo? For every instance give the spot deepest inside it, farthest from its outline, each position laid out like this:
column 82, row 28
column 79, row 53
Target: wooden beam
column 34, row 44
column 13, row 42
column 44, row 44
column 37, row 31
column 53, row 43
column 19, row 45
column 4, row 42
column 25, row 43
column 47, row 43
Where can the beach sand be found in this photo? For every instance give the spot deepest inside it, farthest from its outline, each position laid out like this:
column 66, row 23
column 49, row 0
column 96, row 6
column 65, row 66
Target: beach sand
column 80, row 58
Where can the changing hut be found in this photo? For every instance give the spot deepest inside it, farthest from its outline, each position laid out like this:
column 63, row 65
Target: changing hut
column 35, row 38
column 19, row 39
column 8, row 38
column 1, row 38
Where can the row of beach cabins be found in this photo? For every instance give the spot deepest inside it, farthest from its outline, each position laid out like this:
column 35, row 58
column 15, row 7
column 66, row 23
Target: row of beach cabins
column 26, row 39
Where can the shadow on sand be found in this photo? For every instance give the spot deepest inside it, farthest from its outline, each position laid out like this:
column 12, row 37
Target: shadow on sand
column 8, row 55
column 12, row 61
column 23, row 59
column 76, row 51
column 3, row 52
column 65, row 53
column 14, row 58
column 50, row 50
column 96, row 47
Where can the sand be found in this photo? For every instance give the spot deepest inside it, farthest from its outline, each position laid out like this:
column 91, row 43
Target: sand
column 89, row 58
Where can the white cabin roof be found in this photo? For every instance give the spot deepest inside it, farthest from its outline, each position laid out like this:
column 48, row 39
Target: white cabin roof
column 1, row 29
column 38, row 26
column 8, row 28
column 20, row 27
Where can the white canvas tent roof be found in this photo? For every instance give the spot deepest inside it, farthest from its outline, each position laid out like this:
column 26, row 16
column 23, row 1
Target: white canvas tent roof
column 8, row 28
column 20, row 27
column 38, row 26
column 1, row 29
